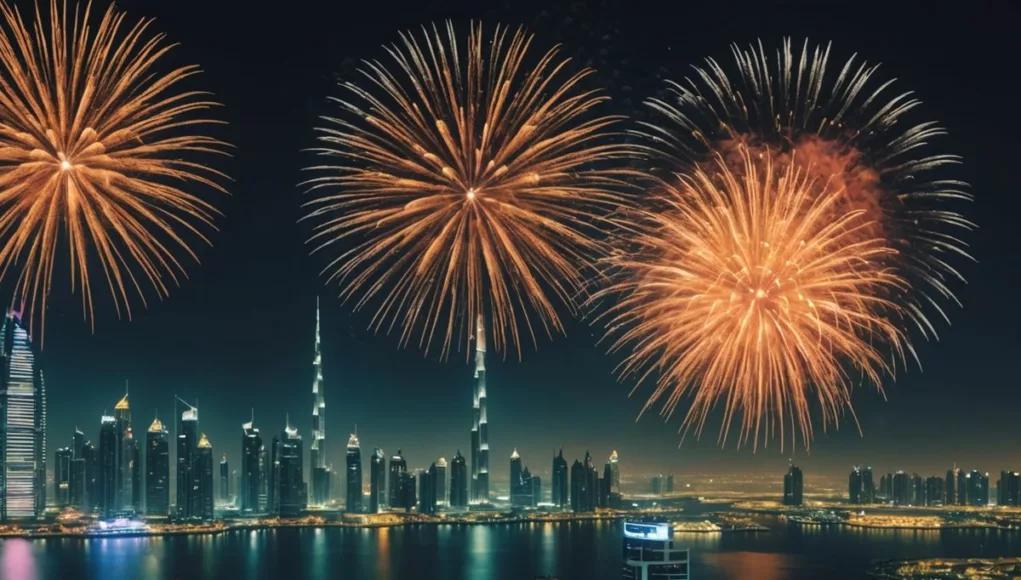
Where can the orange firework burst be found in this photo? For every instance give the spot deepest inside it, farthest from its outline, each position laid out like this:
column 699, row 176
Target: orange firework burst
column 849, row 128
column 745, row 290
column 91, row 144
column 468, row 182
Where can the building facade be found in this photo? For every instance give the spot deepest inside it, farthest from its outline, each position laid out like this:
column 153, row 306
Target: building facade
column 321, row 473
column 458, row 481
column 398, row 466
column 480, row 425
column 188, row 499
column 377, row 481
column 22, row 424
column 650, row 554
column 250, row 489
column 559, row 484
column 354, row 475
column 793, row 486
column 157, row 470
column 204, row 470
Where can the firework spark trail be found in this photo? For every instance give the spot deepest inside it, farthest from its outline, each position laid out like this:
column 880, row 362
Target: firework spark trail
column 744, row 290
column 92, row 145
column 850, row 128
column 467, row 182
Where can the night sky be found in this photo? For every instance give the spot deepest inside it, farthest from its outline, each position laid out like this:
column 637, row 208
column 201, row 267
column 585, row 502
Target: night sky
column 239, row 333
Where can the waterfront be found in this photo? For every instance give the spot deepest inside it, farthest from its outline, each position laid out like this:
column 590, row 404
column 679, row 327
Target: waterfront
column 581, row 550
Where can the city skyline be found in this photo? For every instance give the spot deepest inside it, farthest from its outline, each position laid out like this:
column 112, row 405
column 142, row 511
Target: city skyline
column 237, row 334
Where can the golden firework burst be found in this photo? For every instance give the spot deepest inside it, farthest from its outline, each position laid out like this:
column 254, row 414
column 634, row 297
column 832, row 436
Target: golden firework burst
column 744, row 290
column 95, row 155
column 467, row 181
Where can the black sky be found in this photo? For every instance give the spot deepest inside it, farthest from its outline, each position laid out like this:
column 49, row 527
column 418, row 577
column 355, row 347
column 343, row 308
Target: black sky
column 238, row 333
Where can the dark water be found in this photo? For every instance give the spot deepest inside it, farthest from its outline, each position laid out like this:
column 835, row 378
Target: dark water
column 577, row 550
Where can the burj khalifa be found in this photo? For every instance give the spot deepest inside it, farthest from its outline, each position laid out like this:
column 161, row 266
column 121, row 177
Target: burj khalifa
column 480, row 426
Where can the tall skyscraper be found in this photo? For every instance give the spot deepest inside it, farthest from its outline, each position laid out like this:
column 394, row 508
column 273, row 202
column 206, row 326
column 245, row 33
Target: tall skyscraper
column 398, row 466
column 78, row 476
column 377, row 481
column 480, row 427
column 592, row 486
column 224, row 479
column 614, row 464
column 949, row 487
column 93, row 491
column 934, row 490
column 536, row 490
column 22, row 425
column 520, row 487
column 354, row 475
column 122, row 418
column 458, row 481
column 108, row 482
column 868, row 486
column 134, row 467
column 579, row 487
column 250, row 490
column 288, row 460
column 1008, row 489
column 670, row 483
column 918, row 490
column 978, row 488
column 427, row 491
column 854, row 486
column 962, row 487
column 406, row 488
column 157, row 470
column 204, row 468
column 793, row 486
column 558, row 491
column 62, row 476
column 317, row 451
column 902, row 489
column 441, row 482
column 188, row 499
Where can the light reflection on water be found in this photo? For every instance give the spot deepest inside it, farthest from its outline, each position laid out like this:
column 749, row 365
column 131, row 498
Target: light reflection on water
column 582, row 550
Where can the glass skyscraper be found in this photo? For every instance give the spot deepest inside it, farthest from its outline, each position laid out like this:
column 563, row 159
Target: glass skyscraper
column 22, row 425
column 354, row 475
column 377, row 481
column 458, row 481
column 250, row 496
column 188, row 499
column 157, row 470
column 317, row 451
column 397, row 468
column 558, row 491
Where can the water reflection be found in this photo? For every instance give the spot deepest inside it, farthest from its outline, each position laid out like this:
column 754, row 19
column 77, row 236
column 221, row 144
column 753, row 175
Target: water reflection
column 758, row 565
column 17, row 560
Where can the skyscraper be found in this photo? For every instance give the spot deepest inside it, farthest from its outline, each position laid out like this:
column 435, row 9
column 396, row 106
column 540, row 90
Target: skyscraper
column 854, row 486
column 536, row 490
column 978, row 488
column 93, row 491
column 1008, row 489
column 592, row 486
column 480, row 427
column 441, row 482
column 288, row 460
column 108, row 482
column 902, row 490
column 157, row 470
column 122, row 418
column 406, row 483
column 62, row 476
column 188, row 499
column 614, row 464
column 317, row 451
column 204, row 469
column 354, row 475
column 670, row 483
column 78, row 475
column 224, row 479
column 949, row 491
column 793, row 487
column 579, row 487
column 397, row 467
column 377, row 481
column 868, row 486
column 22, row 424
column 252, row 475
column 134, row 471
column 934, row 490
column 427, row 491
column 558, row 491
column 458, row 481
column 962, row 487
column 520, row 487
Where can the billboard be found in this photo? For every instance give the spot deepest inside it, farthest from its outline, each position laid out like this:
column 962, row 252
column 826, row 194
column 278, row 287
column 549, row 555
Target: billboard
column 659, row 532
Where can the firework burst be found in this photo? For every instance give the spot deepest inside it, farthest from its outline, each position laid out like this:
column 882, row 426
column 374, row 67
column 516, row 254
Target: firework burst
column 91, row 147
column 743, row 289
column 848, row 128
column 465, row 181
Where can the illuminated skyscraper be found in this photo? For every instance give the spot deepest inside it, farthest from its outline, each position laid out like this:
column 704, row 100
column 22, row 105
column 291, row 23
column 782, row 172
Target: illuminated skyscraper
column 397, row 467
column 517, row 486
column 354, row 475
column 579, row 487
column 93, row 492
column 224, row 479
column 458, row 481
column 108, row 482
column 614, row 464
column 427, row 491
column 288, row 477
column 854, row 491
column 157, row 470
column 441, row 482
column 62, row 476
column 793, row 486
column 377, row 481
column 558, row 492
column 204, row 469
column 122, row 416
column 78, row 473
column 949, row 487
column 250, row 490
column 902, row 489
column 1008, row 489
column 480, row 427
column 317, row 451
column 188, row 500
column 868, row 486
column 22, row 425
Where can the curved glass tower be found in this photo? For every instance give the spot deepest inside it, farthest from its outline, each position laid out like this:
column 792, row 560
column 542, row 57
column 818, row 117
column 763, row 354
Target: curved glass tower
column 22, row 425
